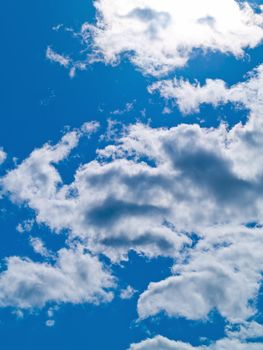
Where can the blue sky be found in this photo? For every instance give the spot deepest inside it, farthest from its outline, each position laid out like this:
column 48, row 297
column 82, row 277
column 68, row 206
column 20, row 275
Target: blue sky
column 137, row 228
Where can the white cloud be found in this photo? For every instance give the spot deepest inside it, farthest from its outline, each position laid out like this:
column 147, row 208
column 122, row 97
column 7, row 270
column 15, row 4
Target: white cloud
column 161, row 343
column 50, row 323
column 129, row 106
column 152, row 187
column 223, row 272
column 90, row 127
column 189, row 96
column 115, row 205
column 160, row 36
column 75, row 278
column 248, row 330
column 53, row 56
column 25, row 226
column 2, row 156
column 39, row 247
column 127, row 293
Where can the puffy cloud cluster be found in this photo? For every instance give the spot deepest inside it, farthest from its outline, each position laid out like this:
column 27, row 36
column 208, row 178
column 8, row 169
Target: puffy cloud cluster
column 223, row 272
column 76, row 277
column 148, row 192
column 115, row 204
column 159, row 36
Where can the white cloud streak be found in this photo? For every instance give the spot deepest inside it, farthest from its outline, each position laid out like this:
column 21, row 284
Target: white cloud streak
column 55, row 57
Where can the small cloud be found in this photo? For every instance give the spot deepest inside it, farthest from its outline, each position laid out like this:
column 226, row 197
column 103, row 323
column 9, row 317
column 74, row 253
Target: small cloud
column 57, row 27
column 25, row 226
column 2, row 156
column 90, row 128
column 127, row 293
column 167, row 110
column 51, row 311
column 39, row 247
column 18, row 313
column 114, row 130
column 53, row 56
column 127, row 108
column 50, row 323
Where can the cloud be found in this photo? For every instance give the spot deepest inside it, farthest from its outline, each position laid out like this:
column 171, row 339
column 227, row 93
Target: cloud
column 90, row 128
column 223, row 272
column 159, row 37
column 177, row 181
column 53, row 56
column 129, row 106
column 2, row 156
column 65, row 61
column 76, row 277
column 127, row 293
column 248, row 330
column 161, row 343
column 149, row 191
column 50, row 323
column 39, row 247
column 189, row 97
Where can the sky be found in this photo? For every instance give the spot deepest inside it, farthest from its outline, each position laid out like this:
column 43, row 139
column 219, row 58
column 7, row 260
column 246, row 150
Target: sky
column 131, row 175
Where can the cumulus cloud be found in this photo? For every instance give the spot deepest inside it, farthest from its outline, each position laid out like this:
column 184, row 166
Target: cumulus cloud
column 149, row 191
column 189, row 97
column 161, row 343
column 223, row 272
column 77, row 277
column 247, row 330
column 189, row 184
column 160, row 36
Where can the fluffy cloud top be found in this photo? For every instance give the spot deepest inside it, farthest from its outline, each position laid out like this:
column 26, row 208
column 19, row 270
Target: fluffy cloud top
column 160, row 36
column 224, row 272
column 161, row 343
